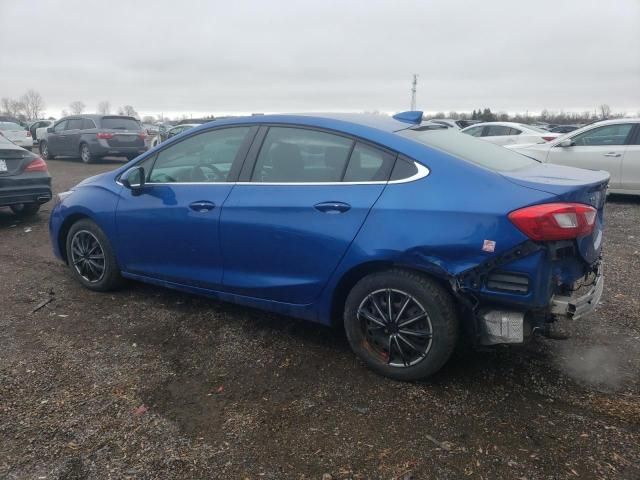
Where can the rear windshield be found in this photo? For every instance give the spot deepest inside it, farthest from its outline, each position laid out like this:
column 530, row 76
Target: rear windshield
column 11, row 126
column 471, row 149
column 534, row 128
column 120, row 123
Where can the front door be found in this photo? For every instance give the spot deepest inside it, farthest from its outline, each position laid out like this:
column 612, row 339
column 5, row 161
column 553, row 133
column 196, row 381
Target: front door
column 170, row 231
column 55, row 139
column 631, row 164
column 286, row 227
column 600, row 148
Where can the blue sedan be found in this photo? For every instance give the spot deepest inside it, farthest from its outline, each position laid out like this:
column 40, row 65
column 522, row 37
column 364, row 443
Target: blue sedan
column 409, row 236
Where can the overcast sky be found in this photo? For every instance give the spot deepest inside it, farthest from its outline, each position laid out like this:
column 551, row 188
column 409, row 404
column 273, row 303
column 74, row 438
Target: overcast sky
column 191, row 57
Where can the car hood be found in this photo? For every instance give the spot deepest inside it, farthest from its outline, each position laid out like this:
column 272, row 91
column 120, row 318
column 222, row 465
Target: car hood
column 94, row 179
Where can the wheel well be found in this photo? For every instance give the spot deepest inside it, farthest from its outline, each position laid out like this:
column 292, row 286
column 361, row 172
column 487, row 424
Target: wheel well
column 353, row 276
column 64, row 231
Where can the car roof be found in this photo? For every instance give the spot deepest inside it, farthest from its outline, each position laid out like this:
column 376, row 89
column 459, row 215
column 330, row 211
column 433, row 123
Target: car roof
column 95, row 116
column 323, row 120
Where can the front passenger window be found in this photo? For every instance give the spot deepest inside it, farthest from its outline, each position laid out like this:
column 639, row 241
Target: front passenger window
column 60, row 126
column 606, row 135
column 203, row 158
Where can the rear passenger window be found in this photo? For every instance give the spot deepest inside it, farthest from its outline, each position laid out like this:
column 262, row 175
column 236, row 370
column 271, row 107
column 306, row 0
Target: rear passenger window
column 368, row 164
column 498, row 131
column 292, row 155
column 403, row 169
column 88, row 124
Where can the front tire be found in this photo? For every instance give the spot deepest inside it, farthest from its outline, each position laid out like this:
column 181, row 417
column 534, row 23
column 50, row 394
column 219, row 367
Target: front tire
column 402, row 324
column 91, row 258
column 44, row 151
column 85, row 153
column 25, row 209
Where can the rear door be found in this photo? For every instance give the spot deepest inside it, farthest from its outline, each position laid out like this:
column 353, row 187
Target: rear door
column 631, row 164
column 600, row 148
column 170, row 231
column 303, row 197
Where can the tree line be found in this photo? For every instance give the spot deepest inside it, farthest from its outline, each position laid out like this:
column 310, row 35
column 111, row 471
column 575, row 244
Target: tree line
column 486, row 115
column 31, row 106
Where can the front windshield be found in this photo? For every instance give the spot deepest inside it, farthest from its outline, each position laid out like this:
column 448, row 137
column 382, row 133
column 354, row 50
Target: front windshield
column 470, row 149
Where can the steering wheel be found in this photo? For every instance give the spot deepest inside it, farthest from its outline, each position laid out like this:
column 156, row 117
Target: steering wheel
column 198, row 174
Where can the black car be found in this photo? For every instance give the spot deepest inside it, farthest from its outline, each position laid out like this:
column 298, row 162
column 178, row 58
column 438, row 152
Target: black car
column 25, row 183
column 94, row 136
column 564, row 128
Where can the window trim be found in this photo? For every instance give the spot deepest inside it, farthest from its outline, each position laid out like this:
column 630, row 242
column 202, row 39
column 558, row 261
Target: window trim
column 252, row 158
column 253, row 145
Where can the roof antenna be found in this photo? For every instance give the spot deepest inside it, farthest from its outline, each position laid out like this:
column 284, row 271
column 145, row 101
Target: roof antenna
column 414, row 84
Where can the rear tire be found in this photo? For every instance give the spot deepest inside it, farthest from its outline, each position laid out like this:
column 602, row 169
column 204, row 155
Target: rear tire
column 85, row 153
column 91, row 258
column 44, row 150
column 423, row 330
column 25, row 209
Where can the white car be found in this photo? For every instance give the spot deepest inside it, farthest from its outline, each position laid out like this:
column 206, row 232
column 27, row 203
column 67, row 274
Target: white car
column 38, row 128
column 16, row 134
column 508, row 133
column 610, row 145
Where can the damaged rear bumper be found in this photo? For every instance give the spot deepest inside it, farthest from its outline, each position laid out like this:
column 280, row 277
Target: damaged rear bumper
column 574, row 307
column 508, row 327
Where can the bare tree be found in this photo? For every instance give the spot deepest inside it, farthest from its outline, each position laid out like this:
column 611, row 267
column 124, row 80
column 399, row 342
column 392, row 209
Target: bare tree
column 5, row 105
column 128, row 110
column 64, row 113
column 605, row 110
column 33, row 104
column 104, row 107
column 148, row 119
column 77, row 107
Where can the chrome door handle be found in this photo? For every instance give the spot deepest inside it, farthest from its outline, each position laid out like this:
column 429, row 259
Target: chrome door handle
column 202, row 206
column 612, row 154
column 332, row 207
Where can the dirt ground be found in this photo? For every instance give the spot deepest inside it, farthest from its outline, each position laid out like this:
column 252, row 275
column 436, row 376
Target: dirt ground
column 150, row 383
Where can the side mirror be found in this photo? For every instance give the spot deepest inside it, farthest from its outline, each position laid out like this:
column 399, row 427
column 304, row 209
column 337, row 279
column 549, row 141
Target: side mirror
column 566, row 143
column 49, row 129
column 133, row 179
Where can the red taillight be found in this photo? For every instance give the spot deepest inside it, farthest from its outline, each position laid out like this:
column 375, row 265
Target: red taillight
column 37, row 165
column 104, row 135
column 555, row 221
column 142, row 135
column 548, row 139
column 28, row 133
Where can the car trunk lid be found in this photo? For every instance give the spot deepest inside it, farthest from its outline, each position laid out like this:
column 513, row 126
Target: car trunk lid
column 14, row 160
column 570, row 184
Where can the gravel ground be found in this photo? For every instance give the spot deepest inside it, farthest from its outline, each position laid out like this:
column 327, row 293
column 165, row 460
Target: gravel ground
column 150, row 383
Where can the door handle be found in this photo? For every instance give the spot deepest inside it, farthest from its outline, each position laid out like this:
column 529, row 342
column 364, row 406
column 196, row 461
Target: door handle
column 202, row 206
column 332, row 207
column 612, row 154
